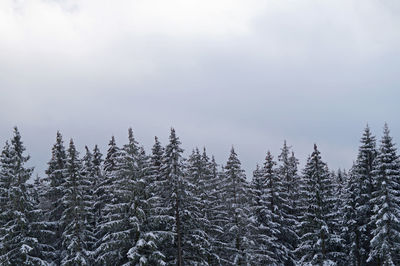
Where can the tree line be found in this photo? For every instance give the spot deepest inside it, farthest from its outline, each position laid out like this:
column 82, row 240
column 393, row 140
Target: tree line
column 133, row 208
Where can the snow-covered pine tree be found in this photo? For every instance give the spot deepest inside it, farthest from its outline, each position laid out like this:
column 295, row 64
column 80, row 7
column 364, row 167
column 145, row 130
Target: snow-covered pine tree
column 273, row 195
column 357, row 204
column 6, row 162
column 97, row 174
column 123, row 214
column 39, row 224
column 75, row 237
column 195, row 223
column 351, row 231
column 295, row 197
column 170, row 208
column 90, row 176
column 385, row 243
column 154, row 235
column 18, row 237
column 212, row 201
column 53, row 205
column 145, row 249
column 235, row 192
column 318, row 241
column 104, row 197
column 263, row 229
column 288, row 180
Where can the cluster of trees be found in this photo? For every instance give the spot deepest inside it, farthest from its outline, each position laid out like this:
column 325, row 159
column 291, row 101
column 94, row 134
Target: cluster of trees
column 131, row 208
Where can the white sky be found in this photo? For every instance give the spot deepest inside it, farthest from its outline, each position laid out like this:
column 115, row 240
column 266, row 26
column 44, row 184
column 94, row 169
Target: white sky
column 248, row 73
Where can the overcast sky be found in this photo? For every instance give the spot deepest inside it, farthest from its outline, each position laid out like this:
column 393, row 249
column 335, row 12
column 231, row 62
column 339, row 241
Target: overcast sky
column 221, row 72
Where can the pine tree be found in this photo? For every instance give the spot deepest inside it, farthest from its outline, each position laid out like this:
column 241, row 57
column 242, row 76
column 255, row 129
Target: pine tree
column 172, row 182
column 122, row 224
column 318, row 241
column 385, row 244
column 357, row 204
column 155, row 236
column 351, row 229
column 104, row 198
column 53, row 206
column 288, row 180
column 263, row 229
column 274, row 191
column 75, row 237
column 211, row 201
column 18, row 237
column 197, row 243
column 145, row 249
column 235, row 191
column 90, row 175
column 97, row 177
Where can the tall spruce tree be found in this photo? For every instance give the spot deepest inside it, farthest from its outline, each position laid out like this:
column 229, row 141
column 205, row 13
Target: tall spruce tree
column 54, row 206
column 351, row 229
column 196, row 224
column 156, row 232
column 76, row 234
column 274, row 191
column 235, row 192
column 263, row 228
column 318, row 240
column 104, row 198
column 18, row 237
column 145, row 249
column 90, row 175
column 385, row 243
column 357, row 204
column 172, row 181
column 97, row 176
column 121, row 226
column 288, row 197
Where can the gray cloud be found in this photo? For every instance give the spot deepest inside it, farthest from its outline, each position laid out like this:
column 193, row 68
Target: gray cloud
column 247, row 73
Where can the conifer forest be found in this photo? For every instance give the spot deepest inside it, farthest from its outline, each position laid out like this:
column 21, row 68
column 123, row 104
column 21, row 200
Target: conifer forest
column 123, row 206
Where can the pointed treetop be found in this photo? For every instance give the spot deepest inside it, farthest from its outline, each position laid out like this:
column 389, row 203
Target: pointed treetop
column 71, row 145
column 131, row 137
column 173, row 138
column 18, row 144
column 269, row 157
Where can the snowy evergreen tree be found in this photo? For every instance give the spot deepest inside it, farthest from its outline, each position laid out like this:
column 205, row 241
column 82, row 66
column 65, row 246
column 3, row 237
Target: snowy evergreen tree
column 76, row 234
column 170, row 208
column 211, row 199
column 274, row 200
column 156, row 235
column 288, row 180
column 18, row 237
column 351, row 229
column 121, row 226
column 263, row 229
column 53, row 206
column 145, row 250
column 97, row 177
column 385, row 243
column 104, row 197
column 357, row 205
column 197, row 244
column 318, row 241
column 90, row 175
column 235, row 192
